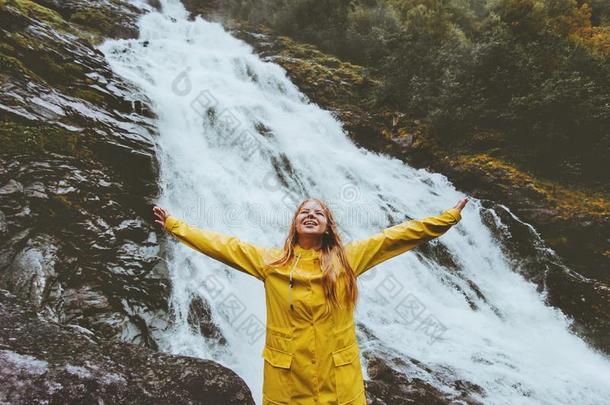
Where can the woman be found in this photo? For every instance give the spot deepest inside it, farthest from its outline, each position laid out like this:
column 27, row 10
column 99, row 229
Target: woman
column 311, row 353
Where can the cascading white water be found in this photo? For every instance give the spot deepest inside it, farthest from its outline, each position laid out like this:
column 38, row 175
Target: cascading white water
column 239, row 145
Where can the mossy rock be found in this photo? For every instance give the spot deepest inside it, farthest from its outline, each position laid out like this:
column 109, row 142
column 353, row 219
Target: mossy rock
column 35, row 60
column 37, row 12
column 92, row 96
column 94, row 19
column 13, row 65
column 89, row 25
column 568, row 201
column 17, row 138
column 60, row 73
column 99, row 23
column 6, row 48
column 20, row 40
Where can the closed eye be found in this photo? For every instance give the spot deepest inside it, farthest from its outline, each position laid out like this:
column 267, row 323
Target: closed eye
column 317, row 212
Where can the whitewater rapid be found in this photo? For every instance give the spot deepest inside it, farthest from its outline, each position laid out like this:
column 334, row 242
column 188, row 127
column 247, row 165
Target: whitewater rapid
column 239, row 146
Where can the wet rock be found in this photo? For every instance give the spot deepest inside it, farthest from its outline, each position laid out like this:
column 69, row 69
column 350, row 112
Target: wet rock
column 3, row 225
column 77, row 302
column 156, row 4
column 204, row 7
column 12, row 187
column 77, row 172
column 45, row 362
column 388, row 385
column 32, row 271
column 133, row 229
column 36, row 190
column 113, row 19
column 200, row 320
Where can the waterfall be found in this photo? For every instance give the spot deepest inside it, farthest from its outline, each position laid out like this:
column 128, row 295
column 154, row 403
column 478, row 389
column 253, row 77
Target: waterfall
column 239, row 146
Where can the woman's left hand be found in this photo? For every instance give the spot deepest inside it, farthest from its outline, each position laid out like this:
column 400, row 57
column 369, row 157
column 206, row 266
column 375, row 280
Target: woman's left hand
column 461, row 203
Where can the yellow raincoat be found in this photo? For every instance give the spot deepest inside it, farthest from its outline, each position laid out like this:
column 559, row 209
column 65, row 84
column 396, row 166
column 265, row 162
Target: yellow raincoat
column 310, row 358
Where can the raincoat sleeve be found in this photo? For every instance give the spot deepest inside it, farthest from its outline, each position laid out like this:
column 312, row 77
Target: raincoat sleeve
column 227, row 249
column 367, row 253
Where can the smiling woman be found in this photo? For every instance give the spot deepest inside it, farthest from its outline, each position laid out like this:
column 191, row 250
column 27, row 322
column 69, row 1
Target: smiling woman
column 311, row 224
column 311, row 353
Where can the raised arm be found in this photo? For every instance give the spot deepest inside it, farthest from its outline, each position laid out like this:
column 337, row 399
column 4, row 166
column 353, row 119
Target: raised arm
column 230, row 250
column 390, row 242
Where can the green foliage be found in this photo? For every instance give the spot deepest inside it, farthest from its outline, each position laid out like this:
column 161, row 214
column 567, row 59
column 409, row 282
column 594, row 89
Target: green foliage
column 601, row 11
column 536, row 70
column 342, row 27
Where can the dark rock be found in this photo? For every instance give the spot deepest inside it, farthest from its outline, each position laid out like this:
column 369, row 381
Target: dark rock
column 388, row 385
column 3, row 225
column 12, row 187
column 155, row 4
column 100, row 245
column 200, row 320
column 36, row 190
column 78, row 173
column 32, row 271
column 132, row 229
column 45, row 362
column 203, row 7
column 112, row 19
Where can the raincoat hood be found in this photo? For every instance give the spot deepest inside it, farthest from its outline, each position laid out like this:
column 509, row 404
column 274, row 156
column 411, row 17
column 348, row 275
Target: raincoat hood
column 306, row 253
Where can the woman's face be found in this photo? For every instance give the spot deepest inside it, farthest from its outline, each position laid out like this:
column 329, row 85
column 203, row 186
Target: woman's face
column 311, row 219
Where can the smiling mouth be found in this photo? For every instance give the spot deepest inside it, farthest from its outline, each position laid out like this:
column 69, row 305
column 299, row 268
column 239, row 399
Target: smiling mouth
column 309, row 222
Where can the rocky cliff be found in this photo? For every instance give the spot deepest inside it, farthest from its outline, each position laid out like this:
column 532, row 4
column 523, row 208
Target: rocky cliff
column 78, row 177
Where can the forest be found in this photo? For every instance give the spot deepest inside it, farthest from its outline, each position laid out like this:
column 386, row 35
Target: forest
column 532, row 76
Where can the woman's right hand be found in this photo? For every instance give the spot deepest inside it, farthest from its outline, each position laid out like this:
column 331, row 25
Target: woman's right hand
column 460, row 205
column 160, row 215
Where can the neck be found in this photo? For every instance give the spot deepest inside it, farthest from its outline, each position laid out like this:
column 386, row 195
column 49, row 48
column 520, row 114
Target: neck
column 310, row 242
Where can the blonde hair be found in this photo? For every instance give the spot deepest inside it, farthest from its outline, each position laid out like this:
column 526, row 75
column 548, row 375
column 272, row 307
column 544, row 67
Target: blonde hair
column 332, row 251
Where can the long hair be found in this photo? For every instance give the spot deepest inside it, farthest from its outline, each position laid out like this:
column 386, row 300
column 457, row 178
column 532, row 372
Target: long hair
column 333, row 260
